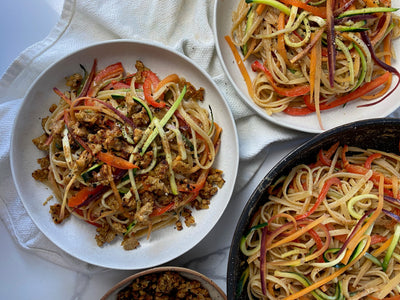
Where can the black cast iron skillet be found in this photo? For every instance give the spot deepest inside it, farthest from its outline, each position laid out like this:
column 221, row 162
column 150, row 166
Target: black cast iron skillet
column 381, row 134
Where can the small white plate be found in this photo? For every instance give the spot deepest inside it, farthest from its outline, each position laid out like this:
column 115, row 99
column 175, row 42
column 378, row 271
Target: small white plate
column 77, row 237
column 223, row 10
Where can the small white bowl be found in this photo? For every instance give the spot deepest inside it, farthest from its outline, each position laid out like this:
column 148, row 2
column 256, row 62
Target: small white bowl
column 214, row 290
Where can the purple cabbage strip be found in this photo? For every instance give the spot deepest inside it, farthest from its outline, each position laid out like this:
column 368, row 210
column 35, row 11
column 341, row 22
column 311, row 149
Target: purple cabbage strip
column 391, row 215
column 342, row 9
column 89, row 80
column 354, row 231
column 116, row 111
column 331, row 41
column 385, row 66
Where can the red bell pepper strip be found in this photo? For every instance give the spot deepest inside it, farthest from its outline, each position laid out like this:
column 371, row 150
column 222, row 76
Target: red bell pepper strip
column 329, row 153
column 324, row 157
column 83, row 195
column 89, row 194
column 317, row 11
column 151, row 81
column 325, row 188
column 318, row 242
column 301, row 111
column 357, row 169
column 288, row 92
column 195, row 187
column 115, row 161
column 158, row 211
column 116, row 85
column 298, row 111
column 377, row 238
column 107, row 73
column 370, row 158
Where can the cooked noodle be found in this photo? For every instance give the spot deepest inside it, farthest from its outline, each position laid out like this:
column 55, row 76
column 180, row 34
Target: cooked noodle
column 332, row 226
column 129, row 153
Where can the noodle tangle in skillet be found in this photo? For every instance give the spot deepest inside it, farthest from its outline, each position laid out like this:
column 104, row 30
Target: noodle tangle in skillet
column 328, row 230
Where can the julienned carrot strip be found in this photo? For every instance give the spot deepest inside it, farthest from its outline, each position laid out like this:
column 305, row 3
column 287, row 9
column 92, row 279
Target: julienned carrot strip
column 317, row 11
column 217, row 137
column 62, row 95
column 313, row 71
column 370, row 3
column 168, row 79
column 281, row 39
column 260, row 8
column 250, row 49
column 314, row 255
column 115, row 161
column 271, row 288
column 241, row 66
column 361, row 91
column 383, row 247
column 298, row 232
column 334, row 275
column 354, row 241
column 158, row 211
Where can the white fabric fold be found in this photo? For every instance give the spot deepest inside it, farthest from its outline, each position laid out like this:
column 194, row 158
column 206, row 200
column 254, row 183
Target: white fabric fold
column 183, row 25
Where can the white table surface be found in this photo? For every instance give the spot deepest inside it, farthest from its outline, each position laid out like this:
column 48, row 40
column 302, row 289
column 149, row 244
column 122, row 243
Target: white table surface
column 24, row 275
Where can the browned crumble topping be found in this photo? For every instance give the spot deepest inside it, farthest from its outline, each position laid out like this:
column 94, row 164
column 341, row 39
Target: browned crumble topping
column 164, row 286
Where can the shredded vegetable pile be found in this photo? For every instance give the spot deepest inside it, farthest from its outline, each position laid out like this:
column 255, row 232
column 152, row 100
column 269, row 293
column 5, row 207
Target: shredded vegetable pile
column 129, row 152
column 329, row 230
column 316, row 55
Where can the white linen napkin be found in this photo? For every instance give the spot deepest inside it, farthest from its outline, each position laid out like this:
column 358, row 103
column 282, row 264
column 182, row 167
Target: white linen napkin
column 182, row 25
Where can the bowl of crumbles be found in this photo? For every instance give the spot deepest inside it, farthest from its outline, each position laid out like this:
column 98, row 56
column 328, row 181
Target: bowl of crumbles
column 166, row 283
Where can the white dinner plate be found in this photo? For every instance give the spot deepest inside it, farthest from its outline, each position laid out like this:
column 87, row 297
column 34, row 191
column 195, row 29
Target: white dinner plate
column 223, row 10
column 77, row 237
